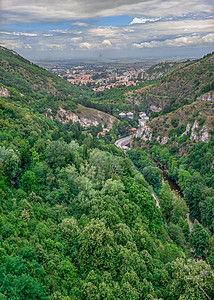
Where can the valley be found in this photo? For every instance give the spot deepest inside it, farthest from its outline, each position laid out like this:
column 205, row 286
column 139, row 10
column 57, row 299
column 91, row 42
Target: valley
column 89, row 210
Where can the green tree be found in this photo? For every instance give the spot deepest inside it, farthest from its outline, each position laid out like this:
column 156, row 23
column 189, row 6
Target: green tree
column 57, row 153
column 174, row 122
column 153, row 176
column 166, row 200
column 207, row 212
column 28, row 180
column 180, row 210
column 199, row 239
column 10, row 161
column 176, row 234
column 193, row 194
column 97, row 248
column 183, row 175
column 189, row 279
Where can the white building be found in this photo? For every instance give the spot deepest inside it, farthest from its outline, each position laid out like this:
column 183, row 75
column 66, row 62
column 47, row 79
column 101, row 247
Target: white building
column 130, row 115
column 122, row 115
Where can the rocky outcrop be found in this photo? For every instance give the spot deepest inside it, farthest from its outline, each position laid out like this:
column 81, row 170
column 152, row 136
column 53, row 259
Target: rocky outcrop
column 155, row 108
column 144, row 133
column 85, row 116
column 207, row 97
column 65, row 116
column 4, row 92
column 187, row 129
column 198, row 134
column 162, row 140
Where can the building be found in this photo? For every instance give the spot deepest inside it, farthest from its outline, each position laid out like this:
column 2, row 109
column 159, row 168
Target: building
column 122, row 115
column 132, row 129
column 130, row 115
column 142, row 115
column 101, row 134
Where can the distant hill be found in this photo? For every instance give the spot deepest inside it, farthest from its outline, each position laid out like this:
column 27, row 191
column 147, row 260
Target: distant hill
column 29, row 86
column 18, row 72
column 179, row 88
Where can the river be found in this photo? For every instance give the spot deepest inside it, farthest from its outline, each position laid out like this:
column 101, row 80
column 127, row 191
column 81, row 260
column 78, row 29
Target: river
column 173, row 186
column 172, row 183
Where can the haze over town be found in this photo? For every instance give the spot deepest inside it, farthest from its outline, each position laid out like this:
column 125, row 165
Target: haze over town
column 99, row 30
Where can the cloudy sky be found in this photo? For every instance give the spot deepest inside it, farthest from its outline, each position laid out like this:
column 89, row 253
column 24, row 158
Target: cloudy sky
column 106, row 29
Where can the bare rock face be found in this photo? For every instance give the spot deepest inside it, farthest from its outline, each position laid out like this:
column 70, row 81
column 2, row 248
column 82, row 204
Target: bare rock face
column 187, row 129
column 155, row 108
column 162, row 140
column 207, row 97
column 65, row 116
column 4, row 92
column 144, row 133
column 85, row 116
column 198, row 134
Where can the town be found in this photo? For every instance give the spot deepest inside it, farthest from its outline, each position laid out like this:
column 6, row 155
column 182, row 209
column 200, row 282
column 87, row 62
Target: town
column 100, row 77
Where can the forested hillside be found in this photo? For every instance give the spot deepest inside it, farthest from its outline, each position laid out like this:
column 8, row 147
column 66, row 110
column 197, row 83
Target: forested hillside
column 180, row 87
column 17, row 72
column 79, row 221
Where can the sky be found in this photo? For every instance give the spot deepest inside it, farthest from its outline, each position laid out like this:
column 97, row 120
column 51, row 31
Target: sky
column 107, row 29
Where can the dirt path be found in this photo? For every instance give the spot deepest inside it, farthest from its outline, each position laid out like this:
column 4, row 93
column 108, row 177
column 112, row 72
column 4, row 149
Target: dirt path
column 190, row 223
column 156, row 199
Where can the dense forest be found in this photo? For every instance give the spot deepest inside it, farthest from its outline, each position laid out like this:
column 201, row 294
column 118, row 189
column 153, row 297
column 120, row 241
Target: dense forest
column 79, row 221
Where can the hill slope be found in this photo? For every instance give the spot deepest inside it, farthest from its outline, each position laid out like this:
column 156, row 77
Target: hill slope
column 18, row 72
column 162, row 69
column 30, row 86
column 185, row 119
column 180, row 87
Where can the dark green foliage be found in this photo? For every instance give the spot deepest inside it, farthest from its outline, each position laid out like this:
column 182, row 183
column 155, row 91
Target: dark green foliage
column 78, row 221
column 19, row 279
column 176, row 234
column 174, row 122
column 199, row 239
column 153, row 176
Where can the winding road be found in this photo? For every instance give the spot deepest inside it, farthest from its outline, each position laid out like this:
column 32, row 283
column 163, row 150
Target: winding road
column 123, row 142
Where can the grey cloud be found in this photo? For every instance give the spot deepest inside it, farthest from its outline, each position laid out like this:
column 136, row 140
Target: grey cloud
column 182, row 41
column 53, row 10
column 169, row 31
column 59, row 10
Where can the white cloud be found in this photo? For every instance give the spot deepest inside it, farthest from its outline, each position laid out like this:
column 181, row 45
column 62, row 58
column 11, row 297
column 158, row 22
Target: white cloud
column 143, row 20
column 155, row 23
column 56, row 46
column 106, row 43
column 27, row 46
column 209, row 38
column 9, row 33
column 85, row 45
column 28, row 34
column 177, row 42
column 19, row 33
column 11, row 44
column 80, row 24
column 76, row 39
